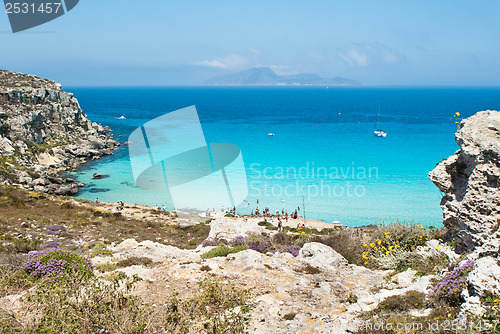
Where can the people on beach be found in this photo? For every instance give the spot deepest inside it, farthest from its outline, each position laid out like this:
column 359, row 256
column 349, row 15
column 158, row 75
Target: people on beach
column 120, row 206
column 97, row 201
column 280, row 226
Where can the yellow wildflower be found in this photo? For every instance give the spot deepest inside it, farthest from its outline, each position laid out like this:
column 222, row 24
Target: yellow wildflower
column 379, row 241
column 387, row 253
column 372, row 245
column 366, row 262
column 365, row 245
column 438, row 247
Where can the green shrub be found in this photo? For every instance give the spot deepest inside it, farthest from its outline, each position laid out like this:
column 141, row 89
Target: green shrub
column 268, row 225
column 22, row 245
column 100, row 249
column 78, row 305
column 56, row 263
column 105, row 267
column 352, row 298
column 134, row 261
column 408, row 301
column 491, row 304
column 222, row 250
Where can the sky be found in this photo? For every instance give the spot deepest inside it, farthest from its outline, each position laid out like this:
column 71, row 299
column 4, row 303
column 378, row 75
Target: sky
column 158, row 42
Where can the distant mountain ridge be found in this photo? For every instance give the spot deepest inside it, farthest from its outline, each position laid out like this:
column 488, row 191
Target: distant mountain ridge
column 266, row 76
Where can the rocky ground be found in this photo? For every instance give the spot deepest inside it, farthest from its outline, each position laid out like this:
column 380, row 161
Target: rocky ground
column 470, row 181
column 317, row 291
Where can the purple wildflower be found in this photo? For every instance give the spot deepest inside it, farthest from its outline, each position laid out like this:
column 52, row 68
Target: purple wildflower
column 210, row 242
column 55, row 228
column 51, row 263
column 292, row 249
column 452, row 284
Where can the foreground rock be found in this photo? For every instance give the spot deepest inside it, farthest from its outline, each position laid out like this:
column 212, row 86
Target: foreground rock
column 228, row 229
column 43, row 131
column 470, row 180
column 471, row 205
column 304, row 294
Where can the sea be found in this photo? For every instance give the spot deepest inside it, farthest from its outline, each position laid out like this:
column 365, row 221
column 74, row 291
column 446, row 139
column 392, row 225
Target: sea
column 322, row 159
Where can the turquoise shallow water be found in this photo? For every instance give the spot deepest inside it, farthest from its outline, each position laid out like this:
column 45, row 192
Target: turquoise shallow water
column 323, row 153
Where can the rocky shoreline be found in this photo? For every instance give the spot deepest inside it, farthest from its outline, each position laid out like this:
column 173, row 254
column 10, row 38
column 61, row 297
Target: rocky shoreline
column 43, row 132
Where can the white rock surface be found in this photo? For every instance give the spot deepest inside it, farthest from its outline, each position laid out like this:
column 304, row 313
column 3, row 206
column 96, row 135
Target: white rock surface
column 153, row 250
column 470, row 180
column 229, row 229
column 485, row 276
column 322, row 256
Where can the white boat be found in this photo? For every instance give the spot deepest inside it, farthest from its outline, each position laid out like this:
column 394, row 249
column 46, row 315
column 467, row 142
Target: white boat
column 270, row 134
column 377, row 131
column 121, row 117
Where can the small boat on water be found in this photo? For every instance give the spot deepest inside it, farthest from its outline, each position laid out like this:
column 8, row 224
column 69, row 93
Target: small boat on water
column 121, row 117
column 270, row 134
column 377, row 131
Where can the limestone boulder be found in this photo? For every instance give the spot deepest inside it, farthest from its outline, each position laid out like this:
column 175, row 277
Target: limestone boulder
column 229, row 229
column 153, row 250
column 322, row 256
column 470, row 181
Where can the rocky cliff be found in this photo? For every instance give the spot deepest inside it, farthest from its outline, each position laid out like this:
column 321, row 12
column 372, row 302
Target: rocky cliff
column 470, row 182
column 43, row 131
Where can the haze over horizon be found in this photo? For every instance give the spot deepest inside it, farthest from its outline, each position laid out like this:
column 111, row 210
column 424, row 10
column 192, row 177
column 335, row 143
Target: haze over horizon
column 388, row 42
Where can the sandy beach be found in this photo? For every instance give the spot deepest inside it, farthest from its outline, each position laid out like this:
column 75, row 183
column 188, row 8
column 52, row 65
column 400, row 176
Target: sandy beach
column 192, row 217
column 310, row 223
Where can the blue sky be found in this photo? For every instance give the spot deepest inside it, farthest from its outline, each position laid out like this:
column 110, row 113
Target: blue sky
column 154, row 42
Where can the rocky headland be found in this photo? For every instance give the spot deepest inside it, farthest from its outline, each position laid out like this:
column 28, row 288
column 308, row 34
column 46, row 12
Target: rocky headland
column 43, row 131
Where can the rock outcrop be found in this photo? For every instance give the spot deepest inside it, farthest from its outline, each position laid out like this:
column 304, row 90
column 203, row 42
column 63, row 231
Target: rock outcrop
column 43, row 131
column 470, row 181
column 304, row 294
column 228, row 229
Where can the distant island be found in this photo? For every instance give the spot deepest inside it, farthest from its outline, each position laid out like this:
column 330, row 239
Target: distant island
column 266, row 76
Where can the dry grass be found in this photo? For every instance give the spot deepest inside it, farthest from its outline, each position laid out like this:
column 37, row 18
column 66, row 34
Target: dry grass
column 32, row 221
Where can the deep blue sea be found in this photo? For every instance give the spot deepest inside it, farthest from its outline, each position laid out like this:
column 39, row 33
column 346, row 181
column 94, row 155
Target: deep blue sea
column 323, row 156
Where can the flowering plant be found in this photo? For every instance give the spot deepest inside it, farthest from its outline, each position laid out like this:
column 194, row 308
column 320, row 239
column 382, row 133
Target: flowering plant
column 292, row 249
column 52, row 263
column 451, row 285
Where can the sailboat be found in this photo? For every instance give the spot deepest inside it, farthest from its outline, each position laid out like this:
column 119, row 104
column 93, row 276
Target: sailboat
column 377, row 131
